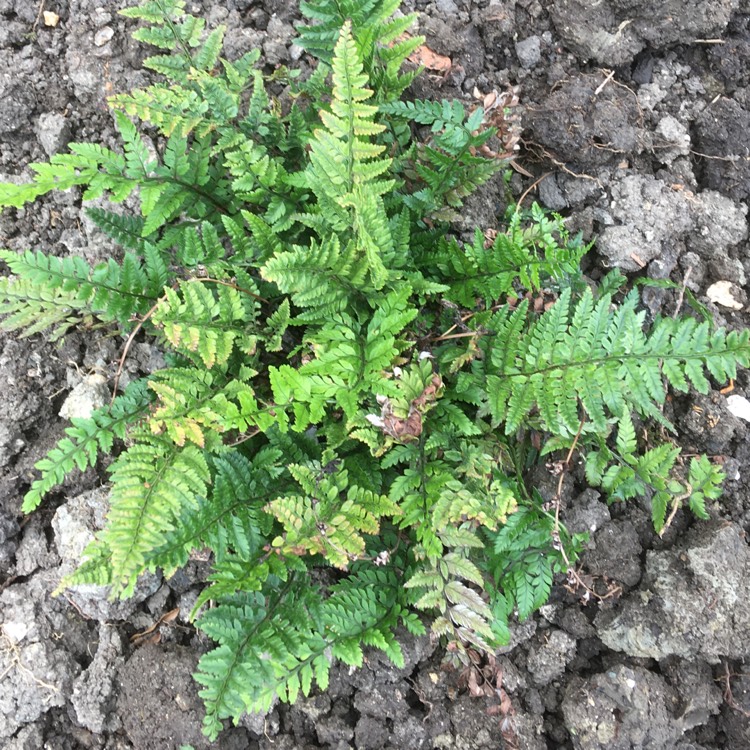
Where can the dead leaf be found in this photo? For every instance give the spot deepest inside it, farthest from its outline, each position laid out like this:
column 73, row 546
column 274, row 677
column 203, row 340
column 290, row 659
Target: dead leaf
column 149, row 635
column 473, row 684
column 518, row 168
column 411, row 427
column 430, row 59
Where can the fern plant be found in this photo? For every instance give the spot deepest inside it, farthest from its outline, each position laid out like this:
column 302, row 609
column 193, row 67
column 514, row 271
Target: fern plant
column 350, row 389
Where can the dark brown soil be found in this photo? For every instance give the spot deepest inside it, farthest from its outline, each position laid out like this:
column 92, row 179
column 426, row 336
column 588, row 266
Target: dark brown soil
column 636, row 118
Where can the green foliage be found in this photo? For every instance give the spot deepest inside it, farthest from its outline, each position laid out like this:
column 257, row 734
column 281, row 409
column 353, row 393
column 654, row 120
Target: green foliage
column 354, row 395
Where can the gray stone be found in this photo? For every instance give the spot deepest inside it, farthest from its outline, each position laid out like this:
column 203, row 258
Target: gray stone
column 694, row 601
column 37, row 670
column 18, row 104
column 649, row 215
column 278, row 38
column 53, row 132
column 612, row 32
column 673, row 140
column 592, row 31
column 529, row 52
column 728, row 269
column 90, row 394
column 34, row 550
column 720, row 223
column 410, row 732
column 103, row 36
column 616, row 554
column 587, row 513
column 9, row 529
column 621, row 709
column 547, row 660
column 700, row 695
column 371, row 733
column 551, row 195
column 11, row 442
column 447, row 8
column 94, row 696
column 601, row 126
column 383, row 700
column 520, row 632
column 334, row 729
column 28, row 738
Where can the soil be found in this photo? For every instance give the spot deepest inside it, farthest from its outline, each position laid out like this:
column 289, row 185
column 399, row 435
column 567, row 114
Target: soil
column 636, row 117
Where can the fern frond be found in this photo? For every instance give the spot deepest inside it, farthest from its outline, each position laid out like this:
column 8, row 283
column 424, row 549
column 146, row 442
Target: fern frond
column 516, row 259
column 458, row 504
column 317, row 277
column 585, row 355
column 228, row 520
column 209, row 318
column 171, row 109
column 124, row 229
column 330, row 518
column 525, row 559
column 341, row 156
column 109, row 291
column 278, row 644
column 257, row 654
column 371, row 19
column 86, row 439
column 156, row 11
column 464, row 617
column 152, row 483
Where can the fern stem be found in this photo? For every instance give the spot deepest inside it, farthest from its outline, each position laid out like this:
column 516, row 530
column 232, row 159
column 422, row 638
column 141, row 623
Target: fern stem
column 161, row 179
column 185, row 50
column 128, row 344
column 249, row 635
column 231, row 285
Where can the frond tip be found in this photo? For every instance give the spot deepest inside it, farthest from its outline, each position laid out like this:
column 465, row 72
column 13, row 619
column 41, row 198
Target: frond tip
column 586, row 358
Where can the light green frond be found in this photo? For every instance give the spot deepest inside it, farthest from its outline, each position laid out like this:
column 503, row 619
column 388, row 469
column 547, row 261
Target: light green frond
column 152, row 482
column 208, row 318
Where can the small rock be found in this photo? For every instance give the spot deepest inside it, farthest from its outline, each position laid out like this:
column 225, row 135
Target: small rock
column 371, row 733
column 15, row 632
column 621, row 709
column 616, row 553
column 28, row 738
column 529, row 52
column 726, row 294
column 547, row 661
column 94, row 695
column 11, row 443
column 447, row 7
column 74, row 525
column 700, row 695
column 103, row 36
column 587, row 513
column 101, row 17
column 707, row 580
column 719, row 224
column 34, row 550
column 739, row 406
column 91, row 394
column 650, row 216
column 551, row 195
column 673, row 140
column 37, row 670
column 50, row 18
